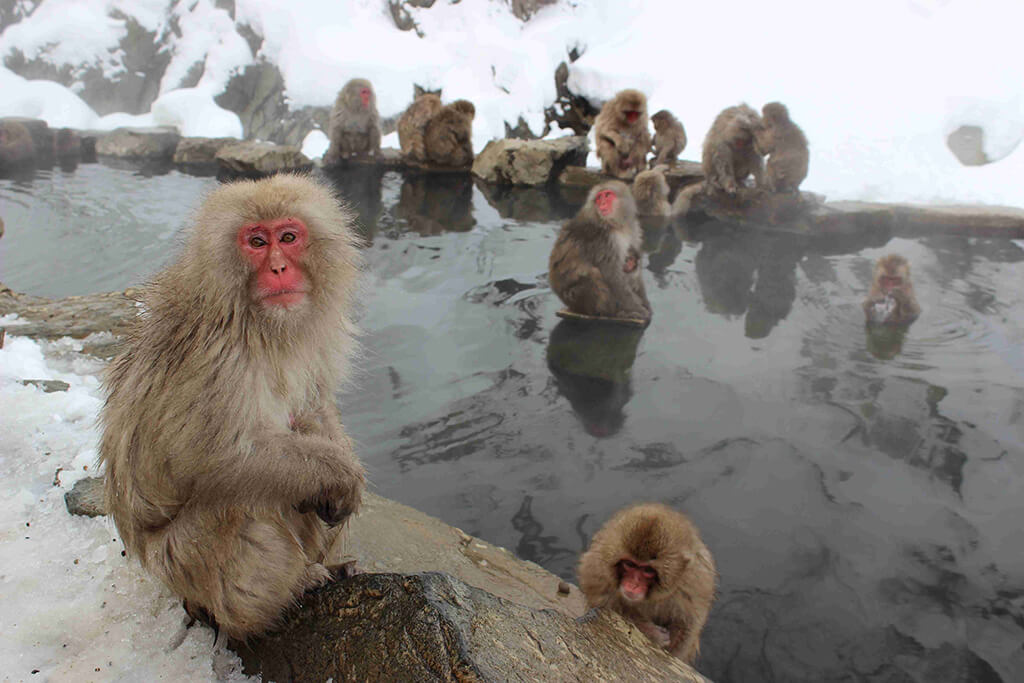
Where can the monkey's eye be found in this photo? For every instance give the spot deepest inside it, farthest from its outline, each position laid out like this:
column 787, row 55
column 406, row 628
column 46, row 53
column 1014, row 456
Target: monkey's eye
column 629, row 564
column 256, row 242
column 649, row 572
column 288, row 237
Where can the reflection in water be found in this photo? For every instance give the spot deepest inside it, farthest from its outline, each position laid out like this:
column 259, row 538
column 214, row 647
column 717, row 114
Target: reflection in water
column 434, row 204
column 861, row 496
column 591, row 362
column 361, row 187
column 885, row 342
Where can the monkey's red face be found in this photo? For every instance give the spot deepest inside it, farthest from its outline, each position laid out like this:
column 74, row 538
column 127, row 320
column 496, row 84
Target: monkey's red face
column 274, row 251
column 605, row 201
column 635, row 579
column 890, row 282
column 632, row 115
column 364, row 95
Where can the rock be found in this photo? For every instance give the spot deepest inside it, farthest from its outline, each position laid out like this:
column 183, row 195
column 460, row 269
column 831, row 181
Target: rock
column 968, row 145
column 255, row 158
column 524, row 9
column 433, row 627
column 17, row 147
column 528, row 162
column 48, row 386
column 67, row 144
column 152, row 144
column 75, row 316
column 127, row 81
column 256, row 94
column 200, row 152
column 569, row 111
column 388, row 158
column 678, row 175
column 86, row 498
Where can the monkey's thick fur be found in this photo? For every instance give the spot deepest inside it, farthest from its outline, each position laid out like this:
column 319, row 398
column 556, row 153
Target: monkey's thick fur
column 586, row 267
column 680, row 600
column 729, row 154
column 353, row 129
column 222, row 444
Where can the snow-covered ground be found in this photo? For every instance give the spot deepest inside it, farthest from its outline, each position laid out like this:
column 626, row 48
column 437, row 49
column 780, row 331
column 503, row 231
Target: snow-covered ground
column 73, row 609
column 876, row 85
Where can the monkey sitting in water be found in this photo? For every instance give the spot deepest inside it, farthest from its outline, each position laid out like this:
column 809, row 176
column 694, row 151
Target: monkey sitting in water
column 891, row 300
column 649, row 564
column 595, row 263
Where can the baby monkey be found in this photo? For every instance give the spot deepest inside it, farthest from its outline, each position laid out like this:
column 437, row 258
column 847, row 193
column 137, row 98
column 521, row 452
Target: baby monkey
column 891, row 300
column 649, row 564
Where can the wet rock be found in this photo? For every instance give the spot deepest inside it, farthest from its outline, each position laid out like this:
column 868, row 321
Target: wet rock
column 388, row 158
column 569, row 110
column 200, row 153
column 86, row 498
column 17, row 147
column 968, row 145
column 679, row 175
column 48, row 386
column 528, row 162
column 434, row 627
column 256, row 158
column 152, row 144
column 67, row 144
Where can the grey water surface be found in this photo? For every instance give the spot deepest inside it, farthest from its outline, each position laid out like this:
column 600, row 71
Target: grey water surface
column 862, row 494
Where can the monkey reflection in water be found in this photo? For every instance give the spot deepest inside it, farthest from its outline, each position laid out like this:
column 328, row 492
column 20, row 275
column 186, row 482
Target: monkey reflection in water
column 435, row 203
column 592, row 363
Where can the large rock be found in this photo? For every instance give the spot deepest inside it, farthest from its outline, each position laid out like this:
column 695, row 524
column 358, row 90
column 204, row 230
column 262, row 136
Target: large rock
column 150, row 144
column 433, row 627
column 256, row 94
column 42, row 135
column 129, row 81
column 200, row 152
column 528, row 162
column 256, row 158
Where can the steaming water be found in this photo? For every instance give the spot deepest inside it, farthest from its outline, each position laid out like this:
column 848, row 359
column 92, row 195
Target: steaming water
column 861, row 493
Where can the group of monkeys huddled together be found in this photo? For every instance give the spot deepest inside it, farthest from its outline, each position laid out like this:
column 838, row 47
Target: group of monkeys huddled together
column 229, row 474
column 428, row 132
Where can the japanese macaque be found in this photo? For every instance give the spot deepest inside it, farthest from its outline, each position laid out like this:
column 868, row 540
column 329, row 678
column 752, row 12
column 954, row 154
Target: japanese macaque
column 786, row 147
column 228, row 471
column 729, row 153
column 891, row 300
column 354, row 127
column 669, row 138
column 650, row 191
column 448, row 137
column 16, row 146
column 595, row 264
column 621, row 135
column 649, row 564
column 412, row 124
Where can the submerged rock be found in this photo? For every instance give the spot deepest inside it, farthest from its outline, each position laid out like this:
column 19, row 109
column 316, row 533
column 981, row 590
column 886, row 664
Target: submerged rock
column 86, row 498
column 528, row 162
column 151, row 144
column 433, row 627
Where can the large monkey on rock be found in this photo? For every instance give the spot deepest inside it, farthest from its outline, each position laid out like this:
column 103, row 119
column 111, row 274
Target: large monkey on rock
column 595, row 263
column 227, row 468
column 354, row 127
column 621, row 135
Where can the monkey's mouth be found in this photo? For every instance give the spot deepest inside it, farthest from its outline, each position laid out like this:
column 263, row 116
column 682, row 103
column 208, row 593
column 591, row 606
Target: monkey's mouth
column 284, row 297
column 632, row 116
column 891, row 283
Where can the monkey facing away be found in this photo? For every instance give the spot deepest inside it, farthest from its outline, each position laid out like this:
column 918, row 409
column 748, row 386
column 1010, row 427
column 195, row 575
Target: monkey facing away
column 413, row 123
column 650, row 191
column 729, row 154
column 595, row 264
column 448, row 136
column 649, row 564
column 891, row 300
column 227, row 468
column 621, row 135
column 354, row 127
column 786, row 147
column 669, row 138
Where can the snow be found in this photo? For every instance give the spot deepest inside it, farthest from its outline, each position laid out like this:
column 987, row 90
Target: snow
column 73, row 608
column 876, row 85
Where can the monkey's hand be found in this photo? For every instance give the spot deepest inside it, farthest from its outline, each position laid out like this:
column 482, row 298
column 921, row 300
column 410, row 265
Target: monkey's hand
column 332, row 508
column 658, row 635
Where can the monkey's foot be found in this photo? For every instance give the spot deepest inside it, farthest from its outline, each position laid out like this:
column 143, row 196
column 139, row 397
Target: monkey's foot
column 658, row 635
column 198, row 613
